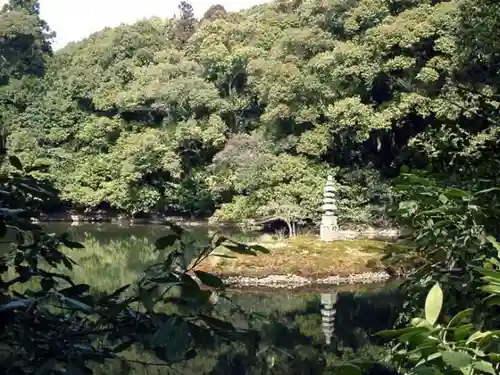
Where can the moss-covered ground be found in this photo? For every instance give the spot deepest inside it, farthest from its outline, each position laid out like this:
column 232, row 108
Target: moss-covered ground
column 304, row 256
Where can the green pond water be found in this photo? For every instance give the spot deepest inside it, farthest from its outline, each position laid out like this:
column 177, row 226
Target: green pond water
column 290, row 322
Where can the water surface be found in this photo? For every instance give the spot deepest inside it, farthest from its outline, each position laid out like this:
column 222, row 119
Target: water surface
column 290, row 322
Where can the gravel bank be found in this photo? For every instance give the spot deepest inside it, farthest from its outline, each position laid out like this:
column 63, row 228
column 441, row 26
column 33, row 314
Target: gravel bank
column 293, row 281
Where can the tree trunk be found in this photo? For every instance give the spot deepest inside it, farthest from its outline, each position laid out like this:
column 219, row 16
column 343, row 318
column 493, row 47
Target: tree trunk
column 290, row 228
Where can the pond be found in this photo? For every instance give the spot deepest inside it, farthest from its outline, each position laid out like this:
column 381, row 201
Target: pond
column 290, row 322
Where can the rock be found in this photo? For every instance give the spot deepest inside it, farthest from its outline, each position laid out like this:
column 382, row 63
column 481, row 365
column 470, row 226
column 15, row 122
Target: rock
column 294, row 281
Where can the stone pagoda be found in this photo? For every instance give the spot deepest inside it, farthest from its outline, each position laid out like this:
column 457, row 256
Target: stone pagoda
column 329, row 229
column 328, row 312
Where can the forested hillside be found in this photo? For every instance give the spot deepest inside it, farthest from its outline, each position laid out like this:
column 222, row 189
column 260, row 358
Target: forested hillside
column 241, row 115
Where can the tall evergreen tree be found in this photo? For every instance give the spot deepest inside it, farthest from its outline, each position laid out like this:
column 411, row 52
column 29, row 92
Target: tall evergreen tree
column 187, row 22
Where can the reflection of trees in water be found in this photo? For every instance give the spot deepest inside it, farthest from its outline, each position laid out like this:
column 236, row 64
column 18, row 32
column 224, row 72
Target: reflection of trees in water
column 292, row 339
column 290, row 324
column 106, row 232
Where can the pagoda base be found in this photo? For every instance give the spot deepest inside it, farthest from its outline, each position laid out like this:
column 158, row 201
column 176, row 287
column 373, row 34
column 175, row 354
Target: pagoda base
column 329, row 233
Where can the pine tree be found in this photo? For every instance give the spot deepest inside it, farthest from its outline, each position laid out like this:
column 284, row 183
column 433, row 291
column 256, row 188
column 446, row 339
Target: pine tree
column 186, row 24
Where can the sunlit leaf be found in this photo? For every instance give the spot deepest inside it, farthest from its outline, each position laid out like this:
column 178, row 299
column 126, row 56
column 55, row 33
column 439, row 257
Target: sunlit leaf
column 457, row 360
column 457, row 193
column 484, row 366
column 433, row 304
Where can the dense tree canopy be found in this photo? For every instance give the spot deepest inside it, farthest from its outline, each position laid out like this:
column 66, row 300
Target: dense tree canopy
column 251, row 110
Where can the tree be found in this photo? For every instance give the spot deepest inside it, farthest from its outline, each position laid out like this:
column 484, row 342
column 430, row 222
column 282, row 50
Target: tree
column 24, row 40
column 214, row 12
column 187, row 22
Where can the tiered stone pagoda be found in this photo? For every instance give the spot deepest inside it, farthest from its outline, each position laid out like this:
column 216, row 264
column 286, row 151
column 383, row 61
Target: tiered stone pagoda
column 329, row 230
column 328, row 311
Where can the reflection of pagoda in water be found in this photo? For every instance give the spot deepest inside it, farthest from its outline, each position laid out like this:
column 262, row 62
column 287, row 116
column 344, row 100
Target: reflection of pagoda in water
column 328, row 310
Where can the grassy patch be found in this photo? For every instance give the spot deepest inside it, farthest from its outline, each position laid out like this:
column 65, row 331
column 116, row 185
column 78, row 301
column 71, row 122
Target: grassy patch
column 304, row 256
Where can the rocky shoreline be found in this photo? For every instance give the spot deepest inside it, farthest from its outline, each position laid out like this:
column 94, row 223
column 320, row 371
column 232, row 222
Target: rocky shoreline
column 294, row 281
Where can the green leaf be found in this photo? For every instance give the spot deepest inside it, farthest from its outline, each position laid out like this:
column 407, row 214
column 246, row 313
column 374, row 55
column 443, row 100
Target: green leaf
column 443, row 199
column 493, row 274
column 166, row 241
column 462, row 332
column 217, row 323
column 260, row 249
column 402, row 331
column 77, row 305
column 419, row 322
column 492, row 288
column 47, row 368
column 457, row 360
column 76, row 290
column 224, row 256
column 15, row 162
column 115, row 294
column 478, row 336
column 164, row 332
column 209, row 280
column 179, row 231
column 178, row 342
column 433, row 304
column 219, row 241
column 426, row 370
column 457, row 193
column 147, row 300
column 15, row 304
column 241, row 249
column 484, row 366
column 430, row 357
column 495, row 244
column 189, row 287
column 492, row 301
column 47, row 283
column 123, row 346
column 485, row 191
column 72, row 369
column 348, row 369
column 458, row 318
column 72, row 244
